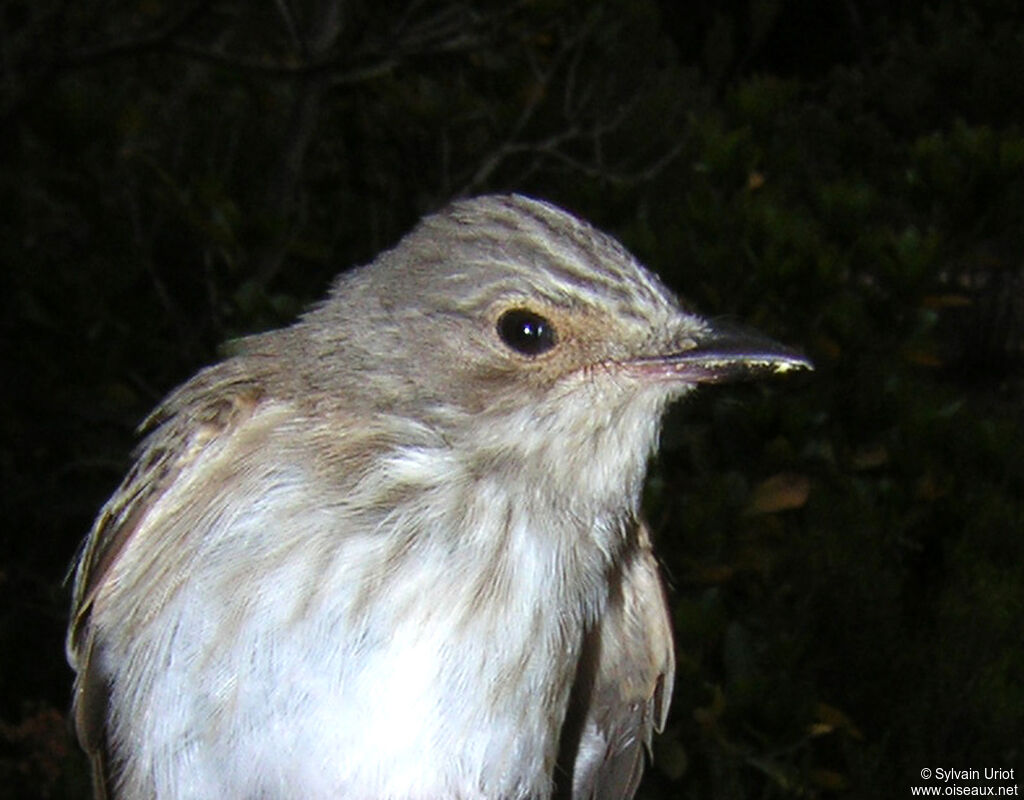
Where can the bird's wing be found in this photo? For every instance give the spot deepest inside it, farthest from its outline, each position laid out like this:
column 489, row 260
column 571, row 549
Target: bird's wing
column 202, row 412
column 624, row 684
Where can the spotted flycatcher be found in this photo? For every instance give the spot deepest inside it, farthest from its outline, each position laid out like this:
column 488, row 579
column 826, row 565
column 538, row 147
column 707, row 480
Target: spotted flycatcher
column 395, row 550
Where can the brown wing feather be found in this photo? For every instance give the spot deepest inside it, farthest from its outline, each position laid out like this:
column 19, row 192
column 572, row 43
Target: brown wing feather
column 625, row 683
column 204, row 409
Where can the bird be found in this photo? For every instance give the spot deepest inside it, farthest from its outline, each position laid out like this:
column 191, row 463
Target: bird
column 396, row 549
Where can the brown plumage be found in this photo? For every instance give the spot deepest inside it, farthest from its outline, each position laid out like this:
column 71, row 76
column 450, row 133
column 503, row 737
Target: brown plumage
column 394, row 551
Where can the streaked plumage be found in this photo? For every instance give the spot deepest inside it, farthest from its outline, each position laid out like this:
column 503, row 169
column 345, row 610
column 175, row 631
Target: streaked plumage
column 384, row 554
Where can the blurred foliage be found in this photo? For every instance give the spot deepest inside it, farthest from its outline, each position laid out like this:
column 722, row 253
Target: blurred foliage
column 844, row 548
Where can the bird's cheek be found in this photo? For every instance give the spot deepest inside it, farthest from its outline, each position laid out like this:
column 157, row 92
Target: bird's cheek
column 495, row 387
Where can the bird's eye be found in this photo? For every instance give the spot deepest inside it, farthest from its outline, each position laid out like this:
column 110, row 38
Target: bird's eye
column 526, row 332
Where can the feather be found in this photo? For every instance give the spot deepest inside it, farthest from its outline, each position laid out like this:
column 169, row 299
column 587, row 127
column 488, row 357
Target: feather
column 208, row 408
column 626, row 674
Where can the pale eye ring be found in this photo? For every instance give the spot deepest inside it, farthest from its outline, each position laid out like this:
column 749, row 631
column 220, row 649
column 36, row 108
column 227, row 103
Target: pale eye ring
column 526, row 332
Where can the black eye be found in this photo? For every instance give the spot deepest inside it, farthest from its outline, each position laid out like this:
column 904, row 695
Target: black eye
column 526, row 332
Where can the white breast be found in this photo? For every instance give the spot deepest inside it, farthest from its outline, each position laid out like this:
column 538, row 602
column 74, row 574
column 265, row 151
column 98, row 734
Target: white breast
column 374, row 656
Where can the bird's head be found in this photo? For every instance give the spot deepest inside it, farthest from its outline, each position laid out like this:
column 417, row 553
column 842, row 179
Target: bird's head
column 522, row 334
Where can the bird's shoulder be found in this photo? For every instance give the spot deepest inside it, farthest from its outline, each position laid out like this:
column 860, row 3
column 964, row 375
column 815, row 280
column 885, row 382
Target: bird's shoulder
column 193, row 417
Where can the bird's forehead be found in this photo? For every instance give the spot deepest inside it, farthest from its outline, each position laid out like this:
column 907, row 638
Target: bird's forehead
column 509, row 246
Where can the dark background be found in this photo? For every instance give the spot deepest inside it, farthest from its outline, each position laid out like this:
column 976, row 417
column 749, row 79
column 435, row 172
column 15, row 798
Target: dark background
column 845, row 548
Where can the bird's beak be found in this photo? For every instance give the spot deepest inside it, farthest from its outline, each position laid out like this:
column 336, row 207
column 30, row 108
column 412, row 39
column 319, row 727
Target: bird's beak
column 722, row 355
